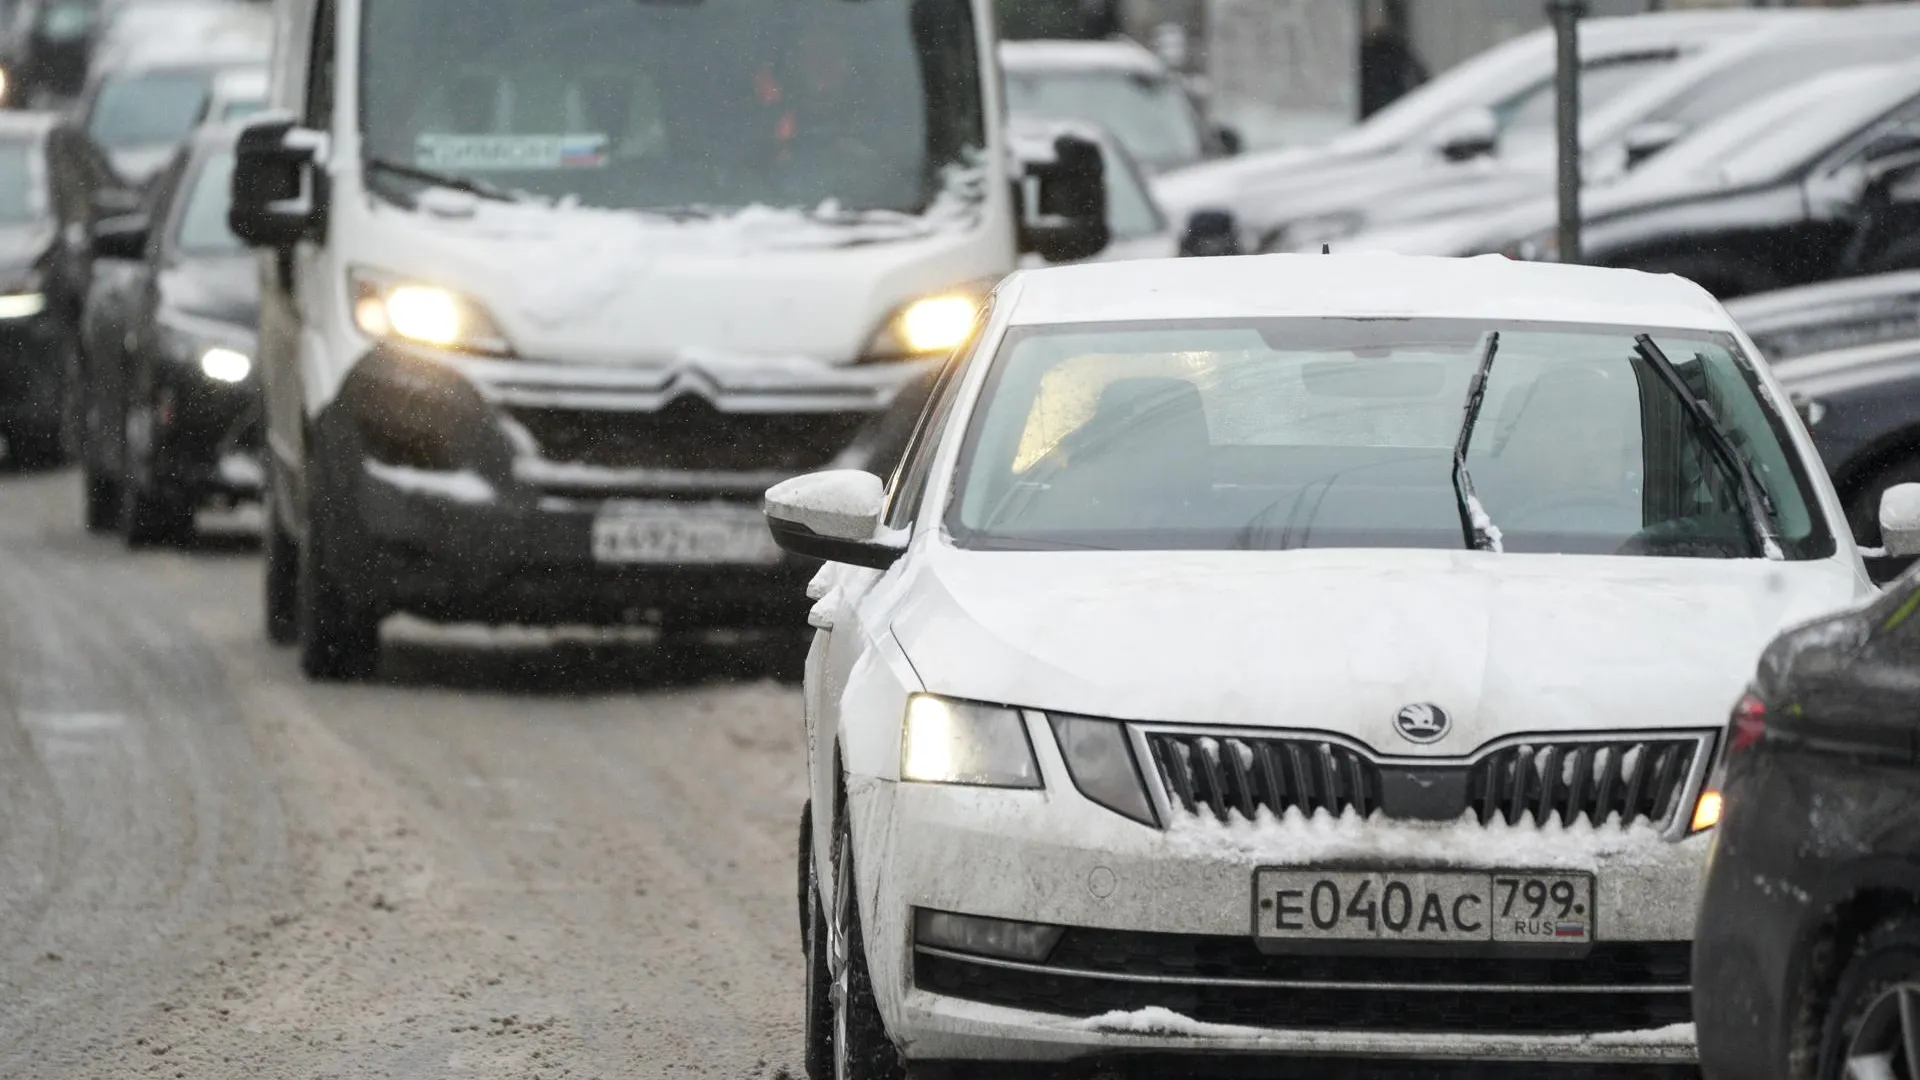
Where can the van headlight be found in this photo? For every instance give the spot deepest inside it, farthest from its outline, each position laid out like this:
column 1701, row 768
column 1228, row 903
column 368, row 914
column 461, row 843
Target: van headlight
column 962, row 742
column 930, row 326
column 394, row 309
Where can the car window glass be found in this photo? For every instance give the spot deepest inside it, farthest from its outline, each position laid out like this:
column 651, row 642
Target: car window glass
column 1530, row 115
column 320, row 77
column 1149, row 115
column 203, row 219
column 148, row 109
column 1769, row 70
column 23, row 187
column 1332, row 433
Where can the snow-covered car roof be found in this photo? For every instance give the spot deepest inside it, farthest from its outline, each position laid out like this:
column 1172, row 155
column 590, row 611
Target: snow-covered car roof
column 1118, row 54
column 1796, row 322
column 1360, row 286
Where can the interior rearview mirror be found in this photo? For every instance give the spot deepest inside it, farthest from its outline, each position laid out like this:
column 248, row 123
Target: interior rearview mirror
column 1070, row 219
column 832, row 516
column 1900, row 520
column 1642, row 141
column 120, row 237
column 1468, row 134
column 1210, row 232
column 278, row 196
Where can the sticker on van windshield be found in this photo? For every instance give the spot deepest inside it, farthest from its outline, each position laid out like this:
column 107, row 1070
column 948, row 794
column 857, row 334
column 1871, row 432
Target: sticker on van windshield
column 481, row 153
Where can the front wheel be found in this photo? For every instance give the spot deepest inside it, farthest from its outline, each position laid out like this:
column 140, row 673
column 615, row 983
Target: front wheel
column 859, row 1046
column 1873, row 1029
column 282, row 585
column 101, row 499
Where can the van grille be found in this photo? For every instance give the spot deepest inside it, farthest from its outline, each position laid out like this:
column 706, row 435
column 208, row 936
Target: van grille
column 690, row 435
column 1640, row 780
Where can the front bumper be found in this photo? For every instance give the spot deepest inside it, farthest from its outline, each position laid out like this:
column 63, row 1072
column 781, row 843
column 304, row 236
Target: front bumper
column 1161, row 919
column 469, row 491
column 205, row 441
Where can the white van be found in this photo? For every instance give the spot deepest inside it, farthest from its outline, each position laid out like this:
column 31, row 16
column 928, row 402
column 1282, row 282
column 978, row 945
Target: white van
column 554, row 290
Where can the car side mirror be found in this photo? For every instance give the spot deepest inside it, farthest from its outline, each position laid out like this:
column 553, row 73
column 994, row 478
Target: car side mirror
column 1228, row 141
column 1070, row 222
column 1467, row 135
column 832, row 516
column 1900, row 520
column 1642, row 141
column 122, row 237
column 1210, row 233
column 277, row 192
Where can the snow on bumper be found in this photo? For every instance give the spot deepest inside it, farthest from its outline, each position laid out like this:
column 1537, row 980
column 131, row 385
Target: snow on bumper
column 1053, row 857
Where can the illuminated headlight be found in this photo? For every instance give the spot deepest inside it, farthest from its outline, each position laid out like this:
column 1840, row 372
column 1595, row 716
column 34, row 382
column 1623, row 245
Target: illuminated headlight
column 982, row 936
column 222, row 364
column 1102, row 765
column 22, row 305
column 930, row 326
column 6, row 84
column 960, row 742
column 1706, row 811
column 387, row 308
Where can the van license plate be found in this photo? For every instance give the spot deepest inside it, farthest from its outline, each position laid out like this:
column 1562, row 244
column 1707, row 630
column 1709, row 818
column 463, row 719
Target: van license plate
column 1518, row 906
column 682, row 533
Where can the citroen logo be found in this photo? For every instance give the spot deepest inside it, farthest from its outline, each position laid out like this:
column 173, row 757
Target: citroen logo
column 1422, row 723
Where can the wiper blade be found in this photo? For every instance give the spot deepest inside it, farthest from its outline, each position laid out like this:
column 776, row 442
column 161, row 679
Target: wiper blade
column 1753, row 496
column 439, row 179
column 1478, row 530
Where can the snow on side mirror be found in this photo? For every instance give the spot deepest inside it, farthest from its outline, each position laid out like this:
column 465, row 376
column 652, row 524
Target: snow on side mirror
column 1900, row 520
column 832, row 516
column 1468, row 134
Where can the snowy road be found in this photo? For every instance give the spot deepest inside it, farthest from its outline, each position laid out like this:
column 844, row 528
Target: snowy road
column 210, row 868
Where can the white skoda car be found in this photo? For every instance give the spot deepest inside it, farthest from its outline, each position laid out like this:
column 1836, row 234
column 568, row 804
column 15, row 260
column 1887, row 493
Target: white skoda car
column 1306, row 656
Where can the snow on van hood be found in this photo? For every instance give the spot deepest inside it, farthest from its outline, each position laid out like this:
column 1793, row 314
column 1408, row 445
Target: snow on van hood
column 571, row 283
column 1341, row 640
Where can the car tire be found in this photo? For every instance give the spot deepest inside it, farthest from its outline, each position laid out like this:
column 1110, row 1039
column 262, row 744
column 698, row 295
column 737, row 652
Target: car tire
column 281, row 577
column 150, row 518
column 339, row 638
column 860, row 1048
column 818, row 1005
column 100, row 498
column 1868, row 1016
column 39, row 446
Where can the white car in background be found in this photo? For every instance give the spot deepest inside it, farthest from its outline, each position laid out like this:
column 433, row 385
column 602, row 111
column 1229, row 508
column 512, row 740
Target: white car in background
column 1135, row 225
column 1300, row 656
column 1117, row 85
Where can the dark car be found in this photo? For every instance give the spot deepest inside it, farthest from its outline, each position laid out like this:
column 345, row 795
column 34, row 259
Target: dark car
column 171, row 405
column 51, row 47
column 1790, row 323
column 138, row 114
column 1806, row 962
column 35, row 334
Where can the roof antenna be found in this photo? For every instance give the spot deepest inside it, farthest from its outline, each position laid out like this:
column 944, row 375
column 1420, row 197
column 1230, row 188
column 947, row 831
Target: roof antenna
column 1326, row 249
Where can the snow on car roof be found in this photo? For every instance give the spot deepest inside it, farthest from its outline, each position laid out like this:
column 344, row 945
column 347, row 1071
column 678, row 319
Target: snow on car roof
column 1113, row 55
column 1359, row 286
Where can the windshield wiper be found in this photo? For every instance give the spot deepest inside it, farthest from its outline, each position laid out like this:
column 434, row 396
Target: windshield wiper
column 1475, row 526
column 1753, row 496
column 439, row 179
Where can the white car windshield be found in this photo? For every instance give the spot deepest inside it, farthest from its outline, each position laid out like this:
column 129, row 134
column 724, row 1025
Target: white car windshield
column 1297, row 433
column 652, row 104
column 1149, row 114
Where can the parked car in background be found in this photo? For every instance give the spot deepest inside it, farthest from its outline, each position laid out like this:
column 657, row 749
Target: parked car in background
column 36, row 335
column 1186, row 696
column 148, row 32
column 1807, row 963
column 139, row 114
column 1117, row 85
column 1504, row 96
column 171, row 400
column 1790, row 323
column 50, row 44
column 1136, row 228
column 235, row 95
column 1813, row 182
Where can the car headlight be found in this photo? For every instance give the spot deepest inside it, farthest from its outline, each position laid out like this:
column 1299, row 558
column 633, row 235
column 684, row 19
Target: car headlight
column 962, row 742
column 222, row 364
column 221, row 351
column 1102, row 765
column 23, row 298
column 394, row 309
column 929, row 326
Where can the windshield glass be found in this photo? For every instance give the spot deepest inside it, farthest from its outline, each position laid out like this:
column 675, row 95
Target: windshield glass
column 1339, row 433
column 22, row 186
column 1148, row 114
column 148, row 109
column 203, row 222
column 653, row 104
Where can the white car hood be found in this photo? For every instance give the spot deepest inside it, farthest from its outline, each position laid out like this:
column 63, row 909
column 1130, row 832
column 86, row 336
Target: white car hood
column 1342, row 640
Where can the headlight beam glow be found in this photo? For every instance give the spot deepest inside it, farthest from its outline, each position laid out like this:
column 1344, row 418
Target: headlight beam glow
column 937, row 324
column 226, row 365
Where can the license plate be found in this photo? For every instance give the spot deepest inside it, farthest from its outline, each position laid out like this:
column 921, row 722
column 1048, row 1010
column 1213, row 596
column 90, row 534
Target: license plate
column 1423, row 906
column 680, row 533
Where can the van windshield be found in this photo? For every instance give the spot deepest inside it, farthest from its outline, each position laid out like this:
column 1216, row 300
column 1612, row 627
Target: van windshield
column 678, row 104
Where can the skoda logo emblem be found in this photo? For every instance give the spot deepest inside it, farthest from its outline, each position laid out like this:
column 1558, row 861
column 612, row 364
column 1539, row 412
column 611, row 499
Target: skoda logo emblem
column 1422, row 723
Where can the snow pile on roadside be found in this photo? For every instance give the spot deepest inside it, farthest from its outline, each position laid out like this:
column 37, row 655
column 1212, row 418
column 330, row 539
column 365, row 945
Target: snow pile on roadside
column 1296, row 839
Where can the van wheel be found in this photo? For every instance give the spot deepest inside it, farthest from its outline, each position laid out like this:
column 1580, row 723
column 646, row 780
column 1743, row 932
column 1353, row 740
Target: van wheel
column 282, row 578
column 861, row 1049
column 1873, row 1029
column 339, row 639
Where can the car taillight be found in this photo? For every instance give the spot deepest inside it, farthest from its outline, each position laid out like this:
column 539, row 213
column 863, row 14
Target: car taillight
column 1748, row 726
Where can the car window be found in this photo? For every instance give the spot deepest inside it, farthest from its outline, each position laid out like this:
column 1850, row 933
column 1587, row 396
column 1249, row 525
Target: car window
column 202, row 228
column 1149, row 114
column 23, row 186
column 241, row 107
column 1769, row 70
column 1340, row 433
column 149, row 109
column 1530, row 114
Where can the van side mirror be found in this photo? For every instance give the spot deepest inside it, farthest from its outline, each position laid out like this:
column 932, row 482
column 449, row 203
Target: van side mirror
column 1210, row 233
column 1900, row 520
column 1227, row 141
column 278, row 198
column 1642, row 141
column 1468, row 134
column 122, row 237
column 1071, row 218
column 831, row 515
